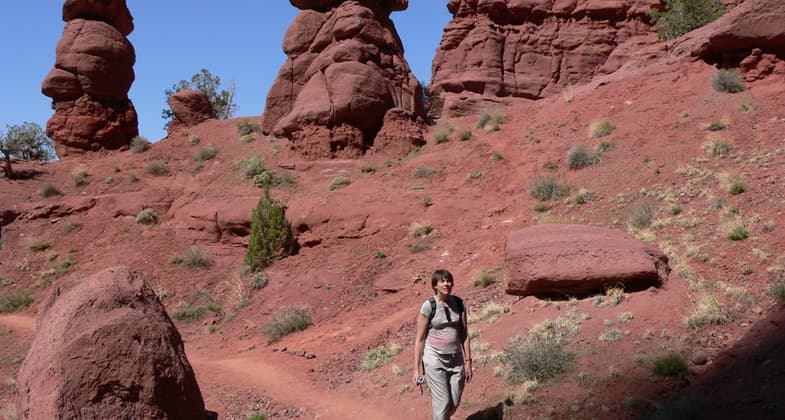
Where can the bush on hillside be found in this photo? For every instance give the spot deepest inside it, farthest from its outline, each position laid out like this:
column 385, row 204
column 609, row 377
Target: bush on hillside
column 728, row 81
column 287, row 321
column 682, row 16
column 271, row 234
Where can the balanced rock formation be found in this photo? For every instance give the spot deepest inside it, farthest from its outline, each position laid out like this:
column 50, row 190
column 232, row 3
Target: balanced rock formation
column 190, row 107
column 105, row 348
column 90, row 80
column 534, row 48
column 570, row 260
column 345, row 70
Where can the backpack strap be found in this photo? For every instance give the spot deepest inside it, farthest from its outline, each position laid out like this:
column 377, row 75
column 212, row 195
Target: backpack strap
column 432, row 301
column 458, row 304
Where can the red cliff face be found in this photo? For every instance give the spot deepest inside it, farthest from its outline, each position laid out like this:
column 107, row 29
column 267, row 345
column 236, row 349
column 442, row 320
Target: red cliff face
column 534, row 48
column 345, row 70
column 90, row 80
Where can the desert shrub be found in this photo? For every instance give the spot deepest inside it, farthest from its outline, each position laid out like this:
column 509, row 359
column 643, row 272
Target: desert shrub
column 26, row 141
column 252, row 166
column 492, row 119
column 268, row 178
column 733, row 183
column 671, row 365
column 738, row 233
column 15, row 301
column 485, row 279
column 206, row 153
column 139, row 144
column 642, row 214
column 422, row 244
column 613, row 296
column 602, row 147
column 601, row 128
column 442, row 132
column 716, row 126
column 476, row 174
column 534, row 357
column 259, row 281
column 367, row 169
column 286, row 321
column 580, row 156
column 147, row 217
column 271, row 234
column 541, row 207
column 189, row 313
column 545, row 188
column 49, row 190
column 550, row 165
column 423, row 172
column 728, row 81
column 682, row 16
column 194, row 258
column 497, row 156
column 246, row 127
column 465, row 135
column 380, row 255
column 80, row 177
column 257, row 416
column 718, row 147
column 583, row 196
column 777, row 291
column 157, row 168
column 339, row 182
column 194, row 140
column 421, row 229
column 37, row 245
column 709, row 311
column 380, row 356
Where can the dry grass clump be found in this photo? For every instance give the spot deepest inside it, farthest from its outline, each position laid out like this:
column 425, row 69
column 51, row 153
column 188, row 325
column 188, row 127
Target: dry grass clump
column 670, row 365
column 485, row 279
column 492, row 119
column 777, row 291
column 139, row 144
column 732, row 183
column 147, row 216
column 420, row 229
column 194, row 258
column 601, row 128
column 642, row 214
column 15, row 301
column 580, row 156
column 727, row 81
column 534, row 357
column 80, row 176
column 157, row 168
column 423, row 172
column 489, row 313
column 287, row 321
column 442, row 133
column 709, row 311
column 339, row 182
column 49, row 190
column 206, row 153
column 546, row 188
column 247, row 127
column 380, row 356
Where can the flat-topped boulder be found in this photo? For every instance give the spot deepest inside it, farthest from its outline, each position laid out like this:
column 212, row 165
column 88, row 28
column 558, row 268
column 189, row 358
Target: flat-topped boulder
column 106, row 348
column 574, row 260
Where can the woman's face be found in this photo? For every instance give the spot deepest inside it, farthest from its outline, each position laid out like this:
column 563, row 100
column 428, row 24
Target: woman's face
column 444, row 286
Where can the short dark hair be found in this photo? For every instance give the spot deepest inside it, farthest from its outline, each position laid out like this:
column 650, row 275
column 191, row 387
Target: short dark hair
column 439, row 275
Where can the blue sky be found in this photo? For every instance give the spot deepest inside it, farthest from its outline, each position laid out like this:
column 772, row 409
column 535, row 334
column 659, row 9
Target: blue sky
column 239, row 41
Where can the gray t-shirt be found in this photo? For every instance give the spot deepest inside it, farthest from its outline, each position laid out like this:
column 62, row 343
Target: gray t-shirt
column 443, row 335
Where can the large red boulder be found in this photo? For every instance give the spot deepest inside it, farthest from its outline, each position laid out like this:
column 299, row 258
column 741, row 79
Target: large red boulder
column 91, row 78
column 105, row 348
column 345, row 70
column 190, row 107
column 534, row 48
column 570, row 260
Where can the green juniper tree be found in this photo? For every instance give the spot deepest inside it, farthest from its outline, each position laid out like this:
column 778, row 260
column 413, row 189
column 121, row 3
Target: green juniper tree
column 25, row 141
column 271, row 234
column 222, row 100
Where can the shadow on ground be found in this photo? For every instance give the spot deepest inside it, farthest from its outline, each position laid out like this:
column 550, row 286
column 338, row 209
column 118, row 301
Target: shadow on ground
column 745, row 382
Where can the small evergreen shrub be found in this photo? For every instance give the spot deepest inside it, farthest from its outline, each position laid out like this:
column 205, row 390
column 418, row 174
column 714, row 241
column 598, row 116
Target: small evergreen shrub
column 147, row 217
column 728, row 81
column 580, row 156
column 271, row 234
column 49, row 190
column 157, row 168
column 139, row 144
column 546, row 188
column 268, row 178
column 682, row 16
column 601, row 128
column 287, row 321
column 339, row 182
column 670, row 365
column 206, row 153
column 15, row 301
column 246, row 127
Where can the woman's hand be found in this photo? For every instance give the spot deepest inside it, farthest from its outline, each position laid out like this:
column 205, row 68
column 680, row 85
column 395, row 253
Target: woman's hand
column 467, row 369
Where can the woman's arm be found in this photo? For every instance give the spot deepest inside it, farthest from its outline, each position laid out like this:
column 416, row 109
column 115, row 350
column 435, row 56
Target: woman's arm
column 467, row 347
column 419, row 345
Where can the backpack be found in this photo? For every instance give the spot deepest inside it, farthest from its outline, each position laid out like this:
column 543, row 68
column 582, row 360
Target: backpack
column 462, row 333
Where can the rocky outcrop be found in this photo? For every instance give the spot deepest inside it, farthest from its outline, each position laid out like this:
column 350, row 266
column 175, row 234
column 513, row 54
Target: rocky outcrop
column 752, row 31
column 345, row 70
column 105, row 348
column 190, row 107
column 91, row 78
column 574, row 260
column 534, row 48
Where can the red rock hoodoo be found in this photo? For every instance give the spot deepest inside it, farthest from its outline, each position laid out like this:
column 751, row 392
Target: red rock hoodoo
column 105, row 348
column 90, row 80
column 534, row 48
column 190, row 107
column 345, row 70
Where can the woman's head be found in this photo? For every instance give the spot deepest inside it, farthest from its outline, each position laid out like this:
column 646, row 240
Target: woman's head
column 442, row 275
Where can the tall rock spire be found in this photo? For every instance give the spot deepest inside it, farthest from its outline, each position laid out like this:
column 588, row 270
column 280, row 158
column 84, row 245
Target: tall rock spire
column 92, row 75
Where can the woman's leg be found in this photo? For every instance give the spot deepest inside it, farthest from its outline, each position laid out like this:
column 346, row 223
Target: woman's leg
column 438, row 383
column 457, row 380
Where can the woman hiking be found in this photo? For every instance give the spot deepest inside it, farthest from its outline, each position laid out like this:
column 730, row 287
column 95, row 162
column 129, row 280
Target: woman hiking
column 442, row 353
